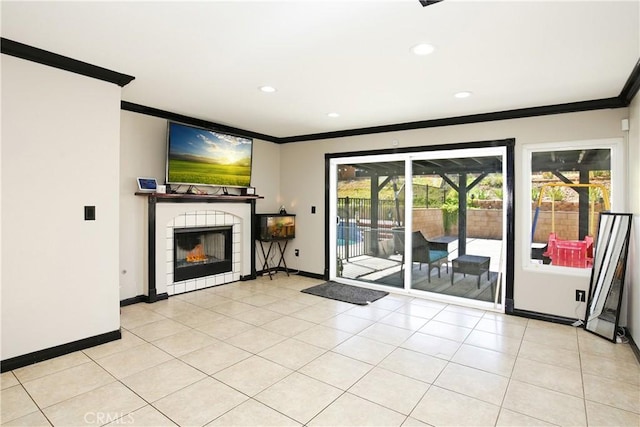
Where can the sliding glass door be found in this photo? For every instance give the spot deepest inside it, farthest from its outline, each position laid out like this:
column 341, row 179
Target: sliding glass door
column 430, row 223
column 369, row 206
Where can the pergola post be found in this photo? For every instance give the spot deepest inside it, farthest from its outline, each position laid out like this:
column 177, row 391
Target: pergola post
column 462, row 213
column 583, row 206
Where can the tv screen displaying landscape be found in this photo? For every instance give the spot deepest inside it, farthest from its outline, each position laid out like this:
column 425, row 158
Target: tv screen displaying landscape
column 203, row 156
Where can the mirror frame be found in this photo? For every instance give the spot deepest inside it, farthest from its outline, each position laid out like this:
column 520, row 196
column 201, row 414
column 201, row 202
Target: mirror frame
column 608, row 274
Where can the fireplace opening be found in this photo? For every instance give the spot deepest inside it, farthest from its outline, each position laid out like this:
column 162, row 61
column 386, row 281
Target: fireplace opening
column 199, row 252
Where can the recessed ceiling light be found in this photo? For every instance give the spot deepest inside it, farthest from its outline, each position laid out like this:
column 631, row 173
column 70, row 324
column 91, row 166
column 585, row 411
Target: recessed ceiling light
column 423, row 49
column 268, row 89
column 333, row 115
column 461, row 95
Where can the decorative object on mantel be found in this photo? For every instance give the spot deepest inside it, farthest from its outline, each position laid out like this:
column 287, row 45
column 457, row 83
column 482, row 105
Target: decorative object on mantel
column 147, row 185
column 345, row 293
column 607, row 275
column 283, row 211
column 195, row 190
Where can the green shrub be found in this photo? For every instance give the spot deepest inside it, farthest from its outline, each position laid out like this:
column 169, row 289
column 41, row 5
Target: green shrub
column 535, row 194
column 450, row 210
column 557, row 195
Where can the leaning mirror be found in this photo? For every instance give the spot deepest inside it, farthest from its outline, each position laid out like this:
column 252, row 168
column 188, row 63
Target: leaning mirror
column 607, row 276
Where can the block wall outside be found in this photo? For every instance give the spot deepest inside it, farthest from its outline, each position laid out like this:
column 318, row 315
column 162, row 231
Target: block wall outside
column 487, row 223
column 481, row 223
column 563, row 220
column 428, row 221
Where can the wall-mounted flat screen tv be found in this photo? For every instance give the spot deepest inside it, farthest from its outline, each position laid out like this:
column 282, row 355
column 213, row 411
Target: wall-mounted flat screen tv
column 203, row 156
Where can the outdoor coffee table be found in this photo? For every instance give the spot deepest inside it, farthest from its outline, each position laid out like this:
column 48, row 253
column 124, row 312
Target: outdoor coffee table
column 470, row 264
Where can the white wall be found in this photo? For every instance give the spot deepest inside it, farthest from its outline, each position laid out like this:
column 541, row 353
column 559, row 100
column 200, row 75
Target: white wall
column 60, row 146
column 303, row 184
column 633, row 272
column 143, row 153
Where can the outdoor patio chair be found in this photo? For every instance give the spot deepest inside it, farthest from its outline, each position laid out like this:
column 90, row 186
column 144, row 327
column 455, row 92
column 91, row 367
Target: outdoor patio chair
column 421, row 253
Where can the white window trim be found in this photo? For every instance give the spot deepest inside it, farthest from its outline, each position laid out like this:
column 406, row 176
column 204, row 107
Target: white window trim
column 618, row 189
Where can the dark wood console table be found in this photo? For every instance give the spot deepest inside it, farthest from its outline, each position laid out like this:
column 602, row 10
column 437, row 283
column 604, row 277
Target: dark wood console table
column 275, row 229
column 155, row 198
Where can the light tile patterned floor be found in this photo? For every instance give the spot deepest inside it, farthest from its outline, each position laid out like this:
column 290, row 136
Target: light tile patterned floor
column 262, row 353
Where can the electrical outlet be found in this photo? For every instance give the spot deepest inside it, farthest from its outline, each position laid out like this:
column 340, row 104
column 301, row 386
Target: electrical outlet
column 297, row 252
column 581, row 295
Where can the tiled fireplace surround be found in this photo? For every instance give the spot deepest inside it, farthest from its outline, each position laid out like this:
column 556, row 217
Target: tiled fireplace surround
column 184, row 215
column 202, row 219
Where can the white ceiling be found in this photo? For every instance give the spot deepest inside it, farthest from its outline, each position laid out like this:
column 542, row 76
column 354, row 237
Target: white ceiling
column 207, row 59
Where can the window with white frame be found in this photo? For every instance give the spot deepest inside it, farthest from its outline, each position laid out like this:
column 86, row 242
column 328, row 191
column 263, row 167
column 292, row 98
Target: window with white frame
column 569, row 185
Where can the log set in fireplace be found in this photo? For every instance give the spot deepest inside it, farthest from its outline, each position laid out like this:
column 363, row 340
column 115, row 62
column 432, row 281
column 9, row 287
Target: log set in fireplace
column 200, row 252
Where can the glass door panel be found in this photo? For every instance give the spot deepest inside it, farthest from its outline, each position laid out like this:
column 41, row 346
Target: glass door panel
column 458, row 225
column 370, row 210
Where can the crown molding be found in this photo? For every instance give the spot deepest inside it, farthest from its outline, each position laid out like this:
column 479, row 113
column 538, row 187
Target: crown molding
column 630, row 88
column 155, row 112
column 30, row 53
column 572, row 107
